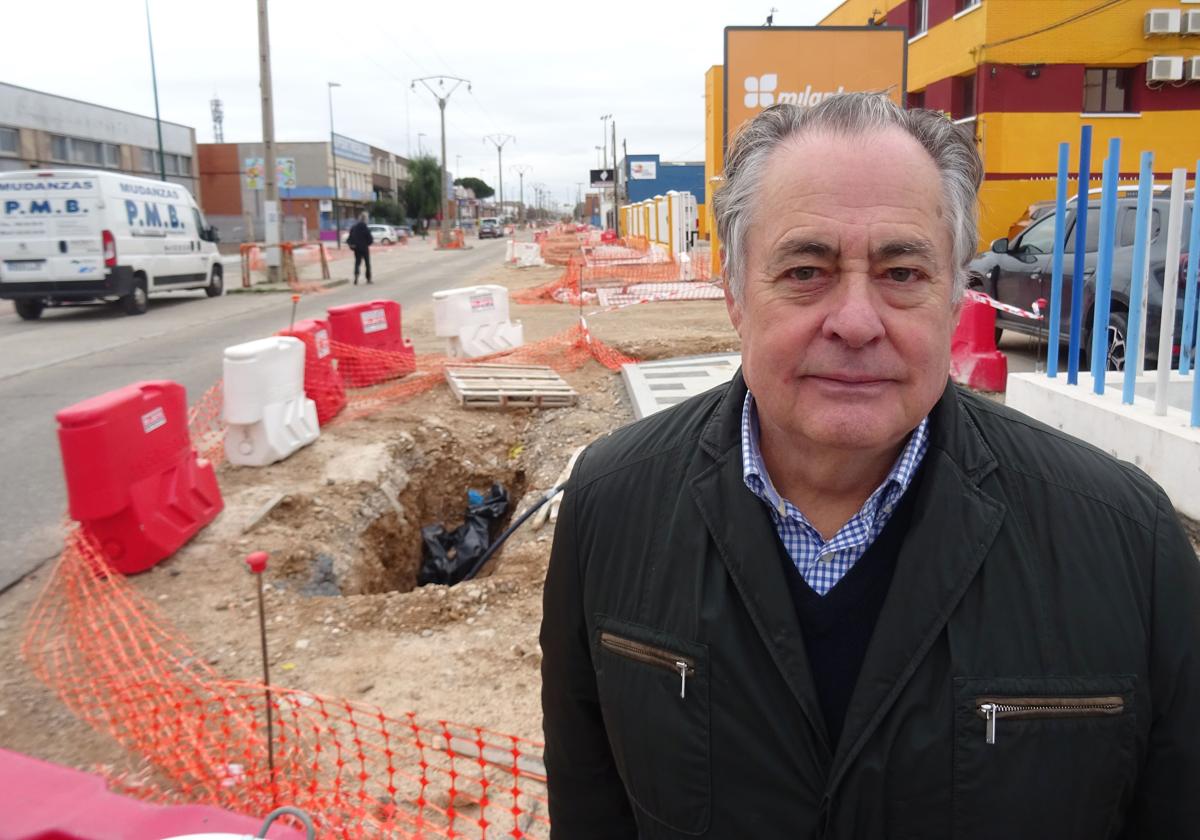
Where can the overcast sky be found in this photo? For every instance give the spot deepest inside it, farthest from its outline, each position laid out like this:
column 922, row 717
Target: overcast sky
column 542, row 71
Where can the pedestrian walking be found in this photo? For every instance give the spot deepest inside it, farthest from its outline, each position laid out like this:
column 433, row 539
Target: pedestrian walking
column 842, row 597
column 360, row 241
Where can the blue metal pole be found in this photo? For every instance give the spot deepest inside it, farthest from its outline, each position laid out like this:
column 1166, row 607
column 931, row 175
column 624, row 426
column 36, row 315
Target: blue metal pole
column 1186, row 354
column 1081, row 220
column 1060, row 227
column 1108, row 219
column 1138, row 287
column 1196, row 381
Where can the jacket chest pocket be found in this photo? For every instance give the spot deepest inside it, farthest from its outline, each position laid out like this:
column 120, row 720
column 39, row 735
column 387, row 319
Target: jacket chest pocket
column 1043, row 756
column 654, row 696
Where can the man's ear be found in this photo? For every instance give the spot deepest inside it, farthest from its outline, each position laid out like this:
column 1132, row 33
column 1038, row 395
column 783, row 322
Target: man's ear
column 731, row 303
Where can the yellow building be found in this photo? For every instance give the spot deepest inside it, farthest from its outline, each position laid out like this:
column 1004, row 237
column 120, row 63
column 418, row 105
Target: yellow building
column 1027, row 74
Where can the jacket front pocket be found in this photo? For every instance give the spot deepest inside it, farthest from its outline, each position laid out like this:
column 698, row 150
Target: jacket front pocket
column 653, row 691
column 1043, row 756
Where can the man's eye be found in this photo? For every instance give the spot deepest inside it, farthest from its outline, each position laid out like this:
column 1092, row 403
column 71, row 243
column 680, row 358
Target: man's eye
column 805, row 272
column 902, row 275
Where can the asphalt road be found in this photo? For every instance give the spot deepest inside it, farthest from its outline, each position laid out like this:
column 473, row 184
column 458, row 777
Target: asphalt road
column 75, row 353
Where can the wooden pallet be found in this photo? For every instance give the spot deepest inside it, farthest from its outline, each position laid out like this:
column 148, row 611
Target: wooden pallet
column 509, row 386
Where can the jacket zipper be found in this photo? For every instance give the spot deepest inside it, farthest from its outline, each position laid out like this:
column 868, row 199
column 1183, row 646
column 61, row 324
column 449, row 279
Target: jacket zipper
column 641, row 652
column 1027, row 708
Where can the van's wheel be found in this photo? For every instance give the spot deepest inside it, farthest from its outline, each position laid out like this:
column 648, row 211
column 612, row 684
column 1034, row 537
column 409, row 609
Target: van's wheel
column 217, row 284
column 30, row 309
column 136, row 301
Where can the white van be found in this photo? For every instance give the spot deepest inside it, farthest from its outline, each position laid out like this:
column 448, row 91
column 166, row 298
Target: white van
column 78, row 235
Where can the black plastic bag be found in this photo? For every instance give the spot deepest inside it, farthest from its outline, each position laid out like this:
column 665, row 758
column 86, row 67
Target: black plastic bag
column 447, row 556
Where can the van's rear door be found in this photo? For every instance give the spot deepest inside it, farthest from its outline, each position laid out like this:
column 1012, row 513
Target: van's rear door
column 50, row 227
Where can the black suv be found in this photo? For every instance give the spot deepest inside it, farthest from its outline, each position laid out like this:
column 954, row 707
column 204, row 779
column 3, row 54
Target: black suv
column 1019, row 272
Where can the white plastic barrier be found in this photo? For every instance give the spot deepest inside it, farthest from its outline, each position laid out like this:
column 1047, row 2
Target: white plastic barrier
column 474, row 321
column 527, row 254
column 509, row 255
column 268, row 416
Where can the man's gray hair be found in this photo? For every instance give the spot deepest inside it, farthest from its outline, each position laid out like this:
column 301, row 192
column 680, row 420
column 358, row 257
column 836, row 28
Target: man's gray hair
column 952, row 148
column 364, row 217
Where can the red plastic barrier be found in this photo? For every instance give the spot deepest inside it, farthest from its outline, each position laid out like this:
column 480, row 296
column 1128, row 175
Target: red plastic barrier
column 44, row 801
column 133, row 479
column 974, row 359
column 372, row 326
column 608, row 236
column 322, row 382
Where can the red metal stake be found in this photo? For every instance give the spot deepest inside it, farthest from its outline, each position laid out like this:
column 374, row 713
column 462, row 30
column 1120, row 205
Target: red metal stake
column 258, row 564
column 295, row 303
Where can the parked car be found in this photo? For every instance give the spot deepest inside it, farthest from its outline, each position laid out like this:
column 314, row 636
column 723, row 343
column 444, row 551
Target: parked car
column 78, row 235
column 1018, row 272
column 403, row 231
column 490, row 228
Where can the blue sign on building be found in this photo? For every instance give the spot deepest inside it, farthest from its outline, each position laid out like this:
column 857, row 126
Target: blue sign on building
column 647, row 176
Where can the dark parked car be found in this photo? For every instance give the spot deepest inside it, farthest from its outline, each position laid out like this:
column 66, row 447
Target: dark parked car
column 490, row 228
column 1019, row 271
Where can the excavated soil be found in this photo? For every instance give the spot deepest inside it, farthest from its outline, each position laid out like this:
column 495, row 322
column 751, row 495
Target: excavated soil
column 341, row 522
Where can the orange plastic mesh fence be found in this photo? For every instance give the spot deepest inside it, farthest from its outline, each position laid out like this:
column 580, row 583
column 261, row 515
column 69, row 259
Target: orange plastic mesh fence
column 117, row 664
column 619, row 267
column 115, row 661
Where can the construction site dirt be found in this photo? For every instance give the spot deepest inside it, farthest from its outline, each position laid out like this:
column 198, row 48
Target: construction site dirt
column 341, row 522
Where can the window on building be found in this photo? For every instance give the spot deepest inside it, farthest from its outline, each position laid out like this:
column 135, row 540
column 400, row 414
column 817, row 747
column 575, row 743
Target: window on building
column 185, row 165
column 149, row 160
column 58, row 148
column 916, row 99
column 1106, row 90
column 918, row 17
column 963, row 5
column 10, row 141
column 112, row 155
column 966, row 96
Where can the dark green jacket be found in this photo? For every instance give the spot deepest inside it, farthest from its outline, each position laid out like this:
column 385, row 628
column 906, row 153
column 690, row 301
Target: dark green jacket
column 1037, row 570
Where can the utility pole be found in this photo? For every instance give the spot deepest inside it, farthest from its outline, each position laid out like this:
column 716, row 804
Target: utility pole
column 442, row 99
column 616, row 180
column 522, row 169
column 579, row 200
column 499, row 140
column 271, row 201
column 337, row 224
column 604, row 118
column 162, row 163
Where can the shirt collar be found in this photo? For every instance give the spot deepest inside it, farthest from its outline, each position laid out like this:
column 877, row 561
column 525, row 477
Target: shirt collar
column 754, row 471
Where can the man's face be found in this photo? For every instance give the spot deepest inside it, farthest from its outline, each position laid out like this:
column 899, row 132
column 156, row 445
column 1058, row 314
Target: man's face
column 845, row 317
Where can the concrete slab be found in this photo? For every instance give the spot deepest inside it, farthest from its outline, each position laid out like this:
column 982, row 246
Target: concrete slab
column 1166, row 447
column 654, row 386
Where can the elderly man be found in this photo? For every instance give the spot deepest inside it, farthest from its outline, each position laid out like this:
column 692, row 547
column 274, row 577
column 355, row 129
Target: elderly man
column 841, row 598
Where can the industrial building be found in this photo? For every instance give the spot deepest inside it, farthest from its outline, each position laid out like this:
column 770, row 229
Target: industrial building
column 41, row 131
column 233, row 185
column 645, row 176
column 1027, row 75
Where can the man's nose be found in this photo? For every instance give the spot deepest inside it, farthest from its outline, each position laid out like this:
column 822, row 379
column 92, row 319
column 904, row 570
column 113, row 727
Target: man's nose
column 853, row 316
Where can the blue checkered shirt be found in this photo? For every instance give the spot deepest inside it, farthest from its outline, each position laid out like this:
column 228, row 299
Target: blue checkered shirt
column 822, row 564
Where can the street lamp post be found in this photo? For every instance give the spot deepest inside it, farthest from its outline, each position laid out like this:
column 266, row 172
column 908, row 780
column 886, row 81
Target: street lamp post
column 521, row 169
column 444, row 201
column 162, row 165
column 333, row 156
column 499, row 140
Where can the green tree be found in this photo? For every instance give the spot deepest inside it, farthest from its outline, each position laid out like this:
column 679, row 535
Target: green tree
column 388, row 212
column 481, row 189
column 422, row 194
